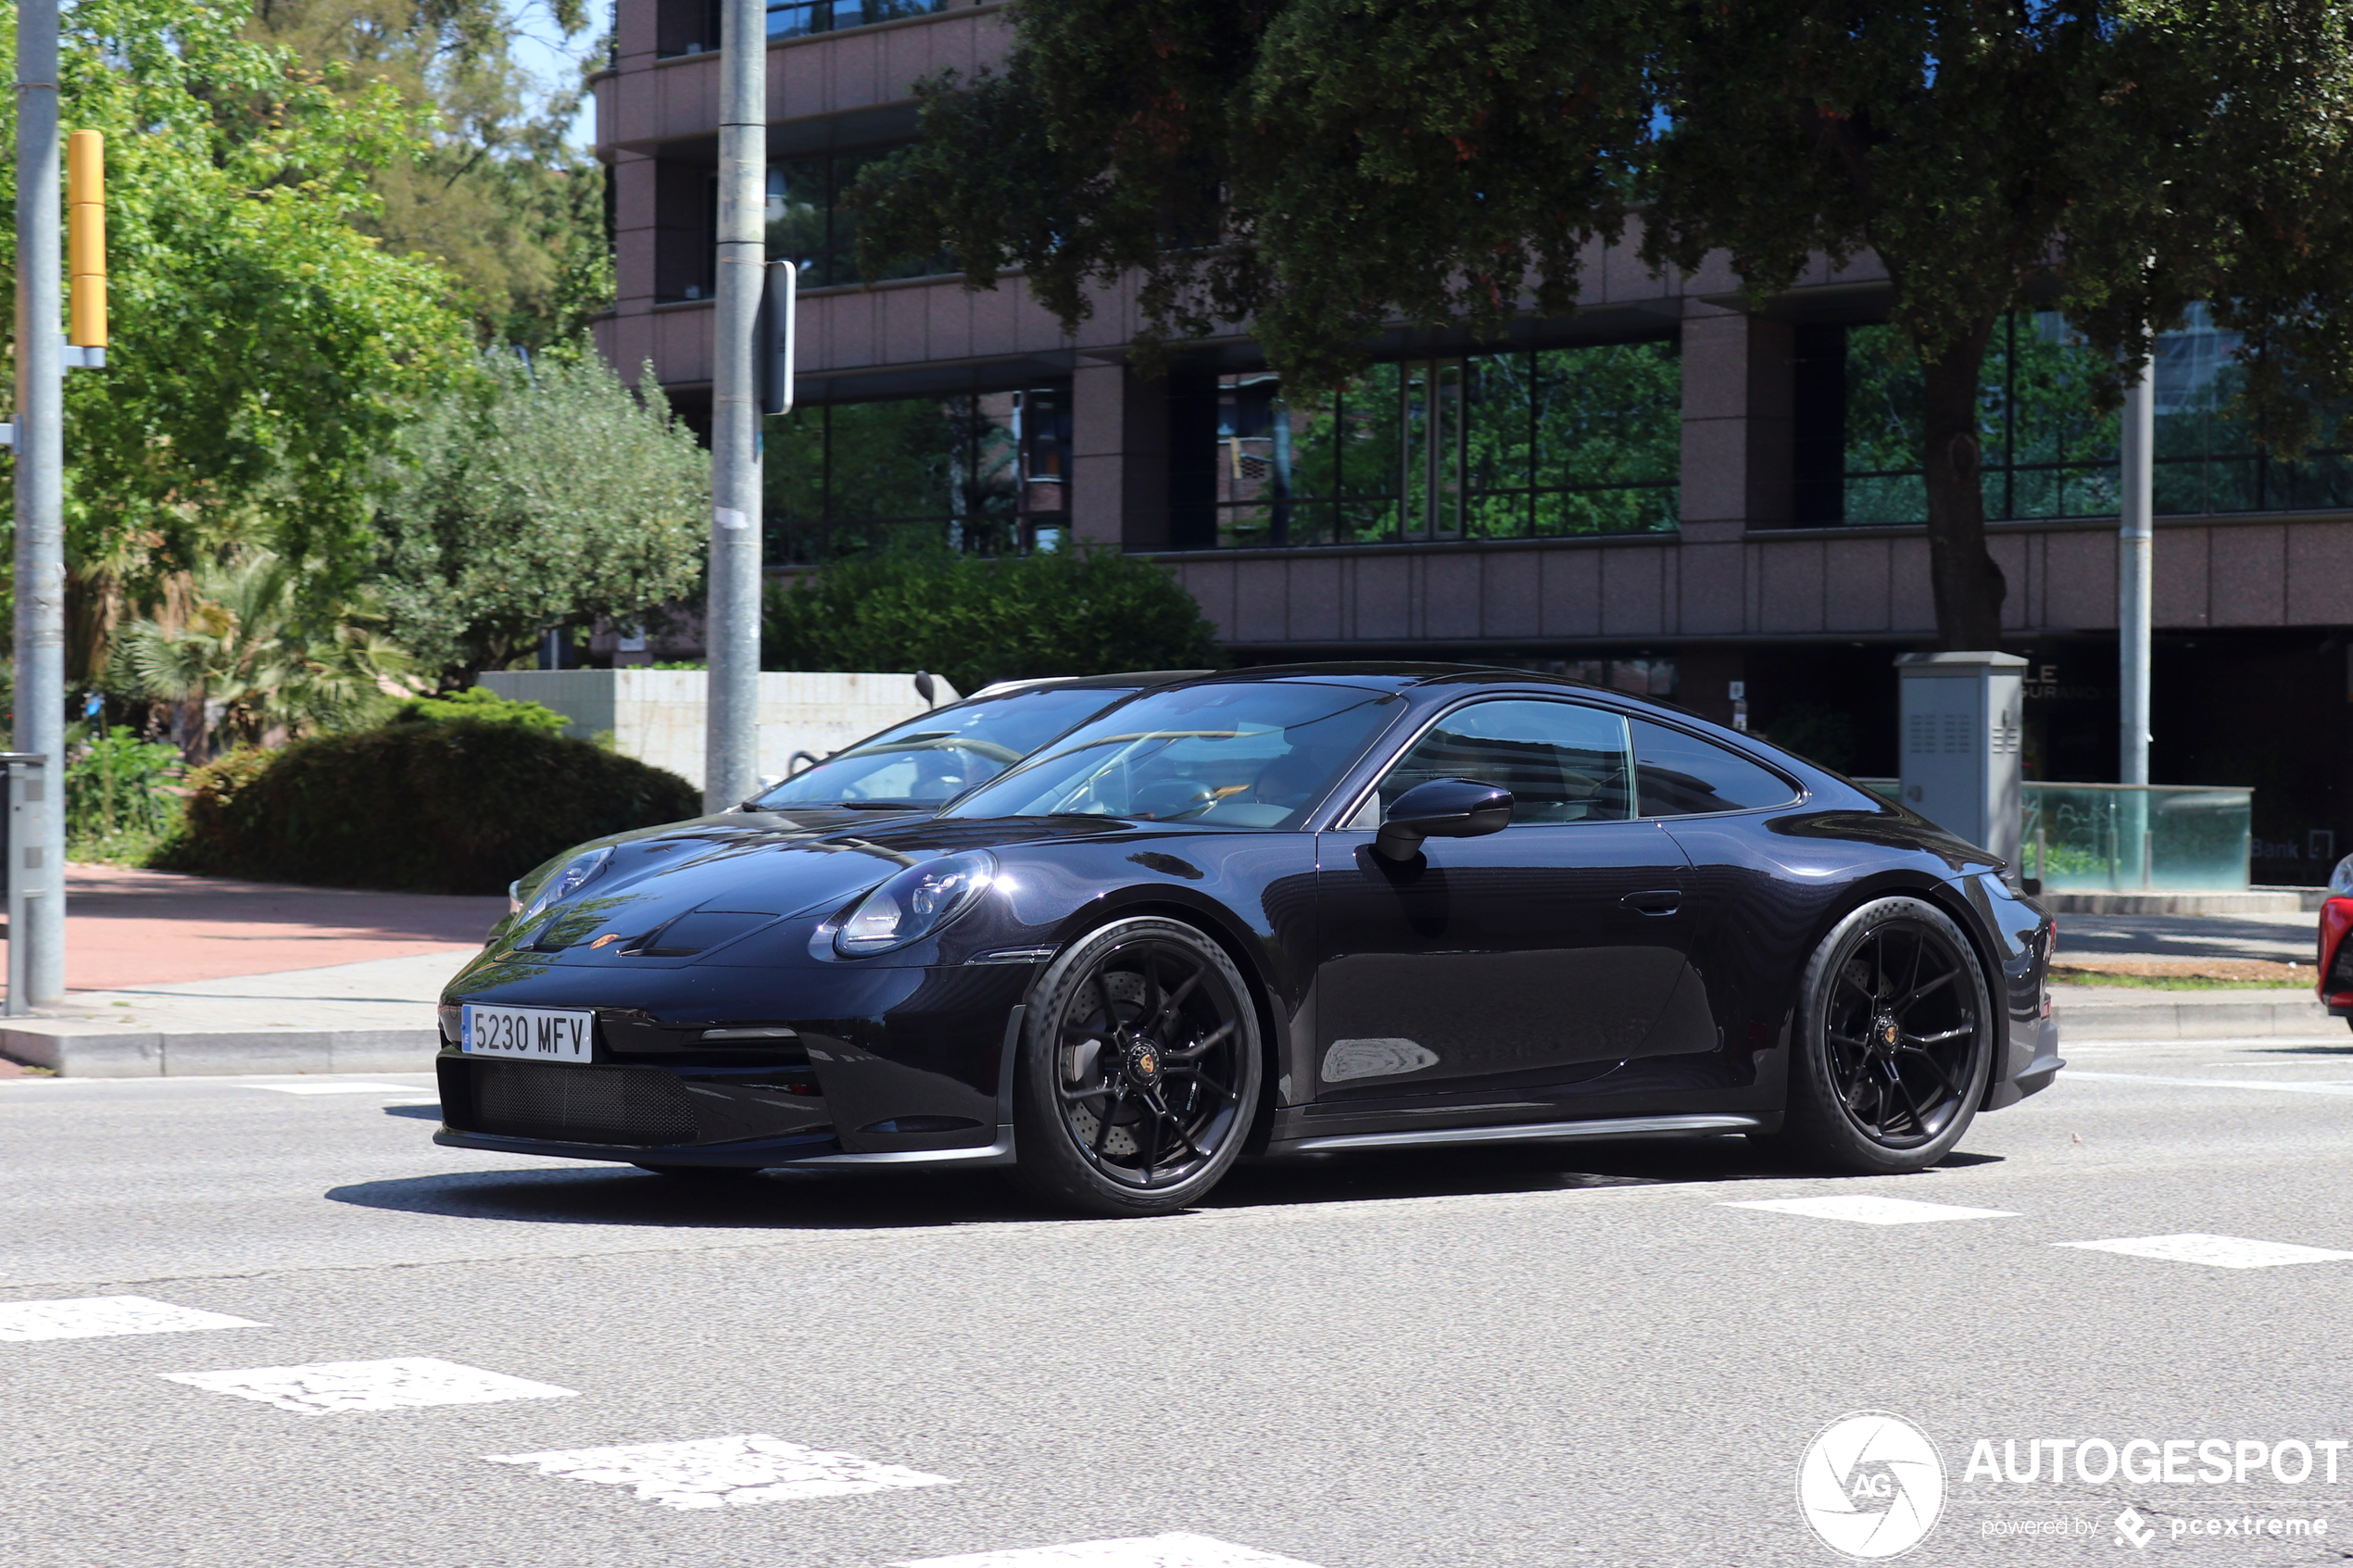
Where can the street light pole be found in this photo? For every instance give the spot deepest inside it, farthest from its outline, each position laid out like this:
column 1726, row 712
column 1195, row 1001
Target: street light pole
column 2136, row 571
column 731, row 764
column 37, row 859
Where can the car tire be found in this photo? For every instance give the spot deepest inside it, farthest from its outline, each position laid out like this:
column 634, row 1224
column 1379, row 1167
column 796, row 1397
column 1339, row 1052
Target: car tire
column 1139, row 1074
column 1895, row 1041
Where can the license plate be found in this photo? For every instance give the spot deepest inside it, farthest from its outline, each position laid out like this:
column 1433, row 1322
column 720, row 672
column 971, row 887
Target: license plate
column 539, row 1033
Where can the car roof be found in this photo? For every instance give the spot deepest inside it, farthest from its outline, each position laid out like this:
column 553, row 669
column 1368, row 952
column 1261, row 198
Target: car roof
column 1117, row 680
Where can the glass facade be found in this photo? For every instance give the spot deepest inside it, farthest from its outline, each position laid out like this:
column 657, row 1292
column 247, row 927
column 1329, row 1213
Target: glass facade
column 987, row 472
column 810, row 225
column 1534, row 444
column 795, row 19
column 2046, row 454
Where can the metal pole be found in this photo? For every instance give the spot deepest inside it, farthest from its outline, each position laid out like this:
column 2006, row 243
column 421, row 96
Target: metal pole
column 40, row 697
column 731, row 765
column 2136, row 563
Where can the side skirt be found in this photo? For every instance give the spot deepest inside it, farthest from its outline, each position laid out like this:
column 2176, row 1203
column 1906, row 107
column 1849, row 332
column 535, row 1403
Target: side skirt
column 1526, row 1132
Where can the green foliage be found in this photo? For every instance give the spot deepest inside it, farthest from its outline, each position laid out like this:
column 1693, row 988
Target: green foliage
column 1077, row 612
column 118, row 800
column 456, row 807
column 266, row 354
column 547, row 496
column 255, row 653
column 490, row 189
column 1325, row 168
column 481, row 704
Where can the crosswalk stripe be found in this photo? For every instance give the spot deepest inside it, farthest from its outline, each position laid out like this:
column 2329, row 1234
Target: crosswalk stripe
column 724, row 1471
column 92, row 1317
column 397, row 1384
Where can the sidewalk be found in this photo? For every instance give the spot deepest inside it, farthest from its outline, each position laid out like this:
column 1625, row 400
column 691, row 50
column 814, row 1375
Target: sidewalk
column 174, row 975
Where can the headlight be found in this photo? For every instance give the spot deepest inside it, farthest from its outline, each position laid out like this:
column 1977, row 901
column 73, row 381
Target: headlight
column 2341, row 879
column 915, row 903
column 578, row 873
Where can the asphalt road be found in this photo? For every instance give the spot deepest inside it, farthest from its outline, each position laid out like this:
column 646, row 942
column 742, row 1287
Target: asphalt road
column 1545, row 1356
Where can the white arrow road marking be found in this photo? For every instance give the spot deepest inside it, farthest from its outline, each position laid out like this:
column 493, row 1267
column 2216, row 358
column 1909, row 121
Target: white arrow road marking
column 92, row 1317
column 2218, row 1252
column 724, row 1472
column 397, row 1384
column 1867, row 1210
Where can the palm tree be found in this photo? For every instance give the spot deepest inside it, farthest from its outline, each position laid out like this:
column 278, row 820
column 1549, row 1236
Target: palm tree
column 245, row 663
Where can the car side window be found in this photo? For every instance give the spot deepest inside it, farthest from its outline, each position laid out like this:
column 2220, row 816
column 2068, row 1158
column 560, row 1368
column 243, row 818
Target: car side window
column 1564, row 763
column 1681, row 775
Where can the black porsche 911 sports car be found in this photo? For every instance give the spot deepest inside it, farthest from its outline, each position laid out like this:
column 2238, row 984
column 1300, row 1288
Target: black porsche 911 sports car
column 1282, row 911
column 911, row 769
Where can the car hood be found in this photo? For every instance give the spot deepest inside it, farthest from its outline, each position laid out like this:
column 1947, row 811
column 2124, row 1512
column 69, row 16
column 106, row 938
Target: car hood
column 694, row 890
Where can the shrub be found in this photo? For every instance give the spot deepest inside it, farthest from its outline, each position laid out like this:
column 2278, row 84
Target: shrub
column 459, row 805
column 1071, row 612
column 120, row 802
column 482, row 703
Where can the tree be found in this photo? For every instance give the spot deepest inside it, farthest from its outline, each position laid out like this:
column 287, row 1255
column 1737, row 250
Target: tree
column 491, row 190
column 254, row 657
column 547, row 496
column 266, row 354
column 1325, row 167
column 1071, row 612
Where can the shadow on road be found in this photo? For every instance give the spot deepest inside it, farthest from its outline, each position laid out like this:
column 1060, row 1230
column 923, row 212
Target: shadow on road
column 622, row 1195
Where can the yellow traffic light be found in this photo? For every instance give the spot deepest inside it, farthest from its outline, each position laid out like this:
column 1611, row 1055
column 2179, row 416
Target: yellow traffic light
column 86, row 238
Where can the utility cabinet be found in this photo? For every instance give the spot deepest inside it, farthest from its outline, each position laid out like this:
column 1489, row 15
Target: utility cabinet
column 1962, row 740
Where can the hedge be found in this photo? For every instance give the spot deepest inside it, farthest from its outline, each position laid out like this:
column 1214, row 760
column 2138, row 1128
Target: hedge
column 459, row 805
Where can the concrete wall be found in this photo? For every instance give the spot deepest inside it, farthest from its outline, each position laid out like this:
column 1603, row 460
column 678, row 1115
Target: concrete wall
column 656, row 716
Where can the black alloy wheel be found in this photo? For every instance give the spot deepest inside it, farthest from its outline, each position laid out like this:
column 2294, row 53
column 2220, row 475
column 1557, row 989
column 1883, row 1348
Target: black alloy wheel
column 1140, row 1071
column 1894, row 1043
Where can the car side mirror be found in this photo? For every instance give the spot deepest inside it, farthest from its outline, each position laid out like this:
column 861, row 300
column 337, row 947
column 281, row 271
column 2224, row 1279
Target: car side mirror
column 1441, row 808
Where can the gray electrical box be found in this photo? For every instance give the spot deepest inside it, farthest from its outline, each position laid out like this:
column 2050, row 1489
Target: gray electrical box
column 1962, row 753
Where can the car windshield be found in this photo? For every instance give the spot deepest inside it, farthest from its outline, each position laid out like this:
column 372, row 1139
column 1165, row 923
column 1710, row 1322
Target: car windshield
column 938, row 756
column 1250, row 754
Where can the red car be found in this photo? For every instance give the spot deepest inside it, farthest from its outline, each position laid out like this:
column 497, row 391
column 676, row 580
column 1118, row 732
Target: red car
column 2337, row 918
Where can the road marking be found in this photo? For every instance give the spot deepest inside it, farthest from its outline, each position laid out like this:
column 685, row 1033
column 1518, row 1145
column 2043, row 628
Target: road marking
column 2324, row 1089
column 92, row 1317
column 1177, row 1550
column 1866, row 1209
column 2217, row 1251
column 338, row 1088
column 724, row 1472
column 398, row 1383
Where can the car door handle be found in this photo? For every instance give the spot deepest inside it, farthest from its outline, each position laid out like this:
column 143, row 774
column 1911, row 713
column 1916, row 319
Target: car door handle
column 1658, row 901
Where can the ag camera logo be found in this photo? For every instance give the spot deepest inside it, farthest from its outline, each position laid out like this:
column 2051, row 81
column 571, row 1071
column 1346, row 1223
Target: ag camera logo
column 1871, row 1485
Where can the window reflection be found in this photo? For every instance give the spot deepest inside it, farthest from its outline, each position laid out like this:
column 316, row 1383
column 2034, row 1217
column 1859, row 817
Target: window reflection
column 1551, row 441
column 2045, row 454
column 986, row 473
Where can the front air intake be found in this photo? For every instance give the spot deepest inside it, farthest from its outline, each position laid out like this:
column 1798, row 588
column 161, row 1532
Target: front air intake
column 640, row 1105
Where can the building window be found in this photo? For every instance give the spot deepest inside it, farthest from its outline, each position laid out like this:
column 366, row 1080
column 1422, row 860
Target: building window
column 812, row 227
column 796, row 18
column 1536, row 444
column 986, row 473
column 1859, row 409
column 691, row 27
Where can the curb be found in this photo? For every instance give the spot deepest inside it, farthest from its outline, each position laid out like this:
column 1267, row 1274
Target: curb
column 2084, row 1013
column 74, row 1048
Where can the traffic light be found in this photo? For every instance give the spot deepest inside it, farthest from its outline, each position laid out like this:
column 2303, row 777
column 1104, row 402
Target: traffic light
column 86, row 239
column 772, row 342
